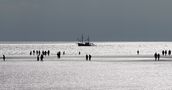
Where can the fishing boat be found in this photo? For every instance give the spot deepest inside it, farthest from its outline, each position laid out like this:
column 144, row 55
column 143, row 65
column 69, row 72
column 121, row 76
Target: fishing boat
column 86, row 42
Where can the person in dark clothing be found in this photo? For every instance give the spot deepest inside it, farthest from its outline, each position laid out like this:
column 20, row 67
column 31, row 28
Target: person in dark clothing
column 3, row 57
column 33, row 52
column 45, row 53
column 163, row 52
column 48, row 52
column 158, row 56
column 86, row 57
column 42, row 57
column 137, row 52
column 42, row 52
column 30, row 52
column 169, row 52
column 155, row 56
column 90, row 57
column 79, row 53
column 59, row 55
column 63, row 52
column 37, row 57
column 36, row 52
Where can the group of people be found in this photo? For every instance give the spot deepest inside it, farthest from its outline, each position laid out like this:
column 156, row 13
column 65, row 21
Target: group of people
column 38, row 52
column 88, row 57
column 165, row 52
column 59, row 54
column 40, row 55
column 157, row 56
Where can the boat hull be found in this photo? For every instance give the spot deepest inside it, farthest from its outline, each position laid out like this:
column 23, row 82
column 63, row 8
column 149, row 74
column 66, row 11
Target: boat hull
column 85, row 44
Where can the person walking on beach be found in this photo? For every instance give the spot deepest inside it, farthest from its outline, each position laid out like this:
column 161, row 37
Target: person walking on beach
column 163, row 52
column 30, row 52
column 43, row 52
column 33, row 52
column 63, row 52
column 137, row 52
column 158, row 56
column 59, row 55
column 169, row 52
column 42, row 57
column 48, row 52
column 36, row 52
column 37, row 57
column 90, row 57
column 86, row 57
column 155, row 56
column 3, row 57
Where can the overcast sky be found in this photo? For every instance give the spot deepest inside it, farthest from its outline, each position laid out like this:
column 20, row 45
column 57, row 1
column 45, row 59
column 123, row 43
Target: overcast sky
column 102, row 20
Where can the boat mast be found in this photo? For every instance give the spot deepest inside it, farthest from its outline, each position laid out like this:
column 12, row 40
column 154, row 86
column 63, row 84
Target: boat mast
column 82, row 38
column 88, row 39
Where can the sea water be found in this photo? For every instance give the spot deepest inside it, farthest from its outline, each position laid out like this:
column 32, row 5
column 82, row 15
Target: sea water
column 71, row 48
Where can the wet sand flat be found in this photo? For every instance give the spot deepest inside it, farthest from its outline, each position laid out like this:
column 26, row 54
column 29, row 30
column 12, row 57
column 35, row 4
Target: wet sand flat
column 98, row 74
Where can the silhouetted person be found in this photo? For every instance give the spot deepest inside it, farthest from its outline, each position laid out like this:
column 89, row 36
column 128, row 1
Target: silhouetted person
column 37, row 57
column 33, row 52
column 63, row 52
column 48, row 52
column 79, row 53
column 59, row 55
column 169, row 52
column 86, row 57
column 163, row 52
column 36, row 52
column 3, row 57
column 30, row 52
column 90, row 57
column 158, row 56
column 155, row 56
column 43, row 52
column 137, row 52
column 42, row 57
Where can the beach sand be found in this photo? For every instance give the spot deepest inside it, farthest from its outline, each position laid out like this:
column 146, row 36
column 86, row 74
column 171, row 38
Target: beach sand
column 78, row 74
